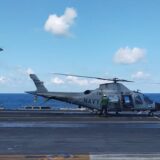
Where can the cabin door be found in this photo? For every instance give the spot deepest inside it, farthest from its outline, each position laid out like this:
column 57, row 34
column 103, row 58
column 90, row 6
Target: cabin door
column 127, row 102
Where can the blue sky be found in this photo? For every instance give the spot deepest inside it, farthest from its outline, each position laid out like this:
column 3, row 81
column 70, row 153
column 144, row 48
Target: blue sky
column 105, row 38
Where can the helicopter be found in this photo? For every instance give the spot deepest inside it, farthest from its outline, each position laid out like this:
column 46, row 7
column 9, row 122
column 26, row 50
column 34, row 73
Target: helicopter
column 120, row 97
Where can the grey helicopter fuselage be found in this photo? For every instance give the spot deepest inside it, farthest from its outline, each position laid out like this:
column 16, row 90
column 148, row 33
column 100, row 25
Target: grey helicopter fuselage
column 120, row 97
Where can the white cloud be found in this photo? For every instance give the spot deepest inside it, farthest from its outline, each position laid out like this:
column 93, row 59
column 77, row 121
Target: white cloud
column 84, row 82
column 60, row 25
column 19, row 75
column 76, row 80
column 24, row 71
column 29, row 71
column 129, row 55
column 140, row 75
column 3, row 79
column 57, row 80
column 71, row 80
column 96, row 81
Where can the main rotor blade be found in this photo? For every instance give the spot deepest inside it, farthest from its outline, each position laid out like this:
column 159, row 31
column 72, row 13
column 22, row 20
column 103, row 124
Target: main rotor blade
column 123, row 80
column 99, row 78
column 149, row 83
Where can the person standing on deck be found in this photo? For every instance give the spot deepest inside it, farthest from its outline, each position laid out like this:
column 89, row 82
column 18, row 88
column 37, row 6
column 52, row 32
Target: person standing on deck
column 104, row 105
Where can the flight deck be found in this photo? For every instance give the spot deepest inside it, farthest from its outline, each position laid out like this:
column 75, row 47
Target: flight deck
column 79, row 135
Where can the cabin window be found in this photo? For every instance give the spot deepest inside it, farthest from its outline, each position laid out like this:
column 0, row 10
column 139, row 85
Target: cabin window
column 138, row 100
column 113, row 98
column 127, row 101
column 87, row 92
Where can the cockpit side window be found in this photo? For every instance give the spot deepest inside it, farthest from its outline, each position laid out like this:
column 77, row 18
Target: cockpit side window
column 138, row 100
column 147, row 100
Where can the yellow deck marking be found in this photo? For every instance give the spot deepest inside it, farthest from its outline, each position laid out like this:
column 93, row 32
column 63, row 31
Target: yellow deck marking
column 44, row 157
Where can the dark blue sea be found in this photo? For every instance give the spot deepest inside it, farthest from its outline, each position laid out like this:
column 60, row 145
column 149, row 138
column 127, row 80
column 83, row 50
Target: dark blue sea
column 19, row 101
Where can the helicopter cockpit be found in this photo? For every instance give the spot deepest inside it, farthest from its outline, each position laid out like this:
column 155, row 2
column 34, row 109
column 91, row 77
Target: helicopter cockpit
column 141, row 102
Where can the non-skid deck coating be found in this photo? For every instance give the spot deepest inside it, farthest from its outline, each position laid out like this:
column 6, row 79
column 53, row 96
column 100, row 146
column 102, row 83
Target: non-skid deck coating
column 63, row 135
column 83, row 157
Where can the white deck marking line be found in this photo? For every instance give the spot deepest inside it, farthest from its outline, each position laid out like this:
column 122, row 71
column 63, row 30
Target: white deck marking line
column 157, row 117
column 125, row 157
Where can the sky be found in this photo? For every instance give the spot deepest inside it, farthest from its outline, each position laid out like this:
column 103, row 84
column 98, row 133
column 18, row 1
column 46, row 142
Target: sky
column 103, row 38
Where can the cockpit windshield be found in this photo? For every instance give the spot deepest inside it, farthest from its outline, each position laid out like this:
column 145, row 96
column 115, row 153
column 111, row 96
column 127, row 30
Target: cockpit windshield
column 147, row 100
column 138, row 100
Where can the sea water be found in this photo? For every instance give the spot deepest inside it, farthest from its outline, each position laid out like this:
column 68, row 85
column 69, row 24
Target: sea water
column 19, row 101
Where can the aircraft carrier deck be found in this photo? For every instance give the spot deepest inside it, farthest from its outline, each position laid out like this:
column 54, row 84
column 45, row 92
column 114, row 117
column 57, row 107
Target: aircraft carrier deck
column 68, row 135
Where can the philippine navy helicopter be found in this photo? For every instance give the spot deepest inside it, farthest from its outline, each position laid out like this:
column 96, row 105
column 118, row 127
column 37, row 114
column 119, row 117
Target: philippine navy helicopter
column 120, row 97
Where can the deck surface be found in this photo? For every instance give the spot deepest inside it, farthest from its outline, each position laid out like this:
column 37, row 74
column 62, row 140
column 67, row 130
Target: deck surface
column 70, row 135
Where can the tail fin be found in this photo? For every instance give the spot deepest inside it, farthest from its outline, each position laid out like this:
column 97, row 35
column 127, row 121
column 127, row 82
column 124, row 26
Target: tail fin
column 39, row 84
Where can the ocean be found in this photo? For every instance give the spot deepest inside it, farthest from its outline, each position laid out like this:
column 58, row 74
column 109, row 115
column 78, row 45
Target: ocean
column 19, row 101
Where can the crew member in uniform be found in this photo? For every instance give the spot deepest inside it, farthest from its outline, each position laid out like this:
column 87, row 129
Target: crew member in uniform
column 104, row 105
